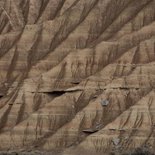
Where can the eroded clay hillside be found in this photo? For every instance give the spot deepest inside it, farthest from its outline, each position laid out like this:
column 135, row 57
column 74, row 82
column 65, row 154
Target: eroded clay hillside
column 77, row 76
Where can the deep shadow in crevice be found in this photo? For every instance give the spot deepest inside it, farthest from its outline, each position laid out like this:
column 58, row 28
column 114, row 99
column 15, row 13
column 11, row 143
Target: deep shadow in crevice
column 1, row 95
column 56, row 93
column 75, row 82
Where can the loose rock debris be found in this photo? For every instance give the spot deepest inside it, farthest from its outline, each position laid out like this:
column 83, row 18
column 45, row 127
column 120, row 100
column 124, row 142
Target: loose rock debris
column 116, row 141
column 104, row 102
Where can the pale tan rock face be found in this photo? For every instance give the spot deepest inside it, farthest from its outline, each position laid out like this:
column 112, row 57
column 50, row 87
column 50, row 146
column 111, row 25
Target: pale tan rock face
column 77, row 76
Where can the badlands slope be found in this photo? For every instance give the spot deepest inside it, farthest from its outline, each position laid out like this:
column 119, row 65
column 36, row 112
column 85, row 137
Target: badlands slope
column 59, row 59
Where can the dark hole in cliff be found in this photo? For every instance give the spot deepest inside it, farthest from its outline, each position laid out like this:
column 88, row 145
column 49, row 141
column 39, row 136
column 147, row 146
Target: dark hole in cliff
column 56, row 93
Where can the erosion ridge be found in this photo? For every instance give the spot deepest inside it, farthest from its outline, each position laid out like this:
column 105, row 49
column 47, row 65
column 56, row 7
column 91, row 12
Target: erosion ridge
column 59, row 59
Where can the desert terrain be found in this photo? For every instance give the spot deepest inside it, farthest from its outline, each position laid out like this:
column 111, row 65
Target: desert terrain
column 77, row 76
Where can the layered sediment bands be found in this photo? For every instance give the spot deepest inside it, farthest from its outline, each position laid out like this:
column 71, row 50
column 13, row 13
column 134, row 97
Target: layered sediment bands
column 134, row 128
column 77, row 76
